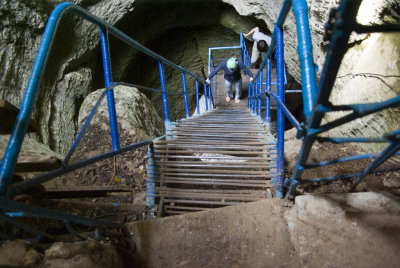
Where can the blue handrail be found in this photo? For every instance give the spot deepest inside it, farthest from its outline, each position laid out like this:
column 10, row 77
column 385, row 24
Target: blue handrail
column 26, row 107
column 316, row 99
column 257, row 93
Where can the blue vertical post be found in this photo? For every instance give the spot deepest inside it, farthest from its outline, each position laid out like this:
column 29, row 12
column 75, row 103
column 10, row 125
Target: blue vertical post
column 278, row 182
column 210, row 96
column 256, row 85
column 260, row 82
column 164, row 97
column 304, row 48
column 205, row 95
column 253, row 99
column 185, row 96
column 249, row 97
column 151, row 179
column 110, row 94
column 197, row 97
column 242, row 48
column 267, row 98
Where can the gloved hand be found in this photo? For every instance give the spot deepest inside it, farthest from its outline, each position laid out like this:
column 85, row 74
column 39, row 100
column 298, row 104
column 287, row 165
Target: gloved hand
column 208, row 81
column 251, row 79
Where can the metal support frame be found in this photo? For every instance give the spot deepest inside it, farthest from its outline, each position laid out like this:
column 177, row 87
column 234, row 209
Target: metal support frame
column 278, row 182
column 164, row 97
column 14, row 145
column 105, row 52
column 197, row 97
column 152, row 178
column 185, row 96
column 206, row 96
column 267, row 97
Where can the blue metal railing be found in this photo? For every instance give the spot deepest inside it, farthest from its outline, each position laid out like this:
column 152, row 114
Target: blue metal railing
column 244, row 54
column 345, row 24
column 11, row 154
column 316, row 99
column 256, row 88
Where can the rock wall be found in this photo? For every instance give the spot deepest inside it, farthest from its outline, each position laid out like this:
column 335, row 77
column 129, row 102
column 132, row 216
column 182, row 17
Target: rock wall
column 136, row 115
column 75, row 67
column 183, row 36
column 72, row 69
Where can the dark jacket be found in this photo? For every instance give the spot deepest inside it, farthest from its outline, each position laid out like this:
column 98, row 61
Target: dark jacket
column 231, row 76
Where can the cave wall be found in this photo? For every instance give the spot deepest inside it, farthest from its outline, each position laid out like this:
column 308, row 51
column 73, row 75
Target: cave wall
column 71, row 65
column 374, row 76
column 185, row 30
column 181, row 31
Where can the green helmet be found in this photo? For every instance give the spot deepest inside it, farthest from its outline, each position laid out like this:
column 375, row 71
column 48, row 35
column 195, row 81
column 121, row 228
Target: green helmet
column 231, row 64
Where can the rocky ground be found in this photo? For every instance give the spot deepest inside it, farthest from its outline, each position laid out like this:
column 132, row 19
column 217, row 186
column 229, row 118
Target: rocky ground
column 128, row 171
column 326, row 151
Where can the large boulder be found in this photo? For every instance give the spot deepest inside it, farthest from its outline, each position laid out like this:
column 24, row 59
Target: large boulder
column 69, row 76
column 136, row 115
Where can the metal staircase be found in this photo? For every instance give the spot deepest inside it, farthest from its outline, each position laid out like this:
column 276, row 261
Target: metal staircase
column 223, row 157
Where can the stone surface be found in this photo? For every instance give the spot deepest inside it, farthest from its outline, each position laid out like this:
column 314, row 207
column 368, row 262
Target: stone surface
column 76, row 67
column 69, row 79
column 18, row 253
column 347, row 230
column 82, row 254
column 30, row 147
column 136, row 115
column 248, row 235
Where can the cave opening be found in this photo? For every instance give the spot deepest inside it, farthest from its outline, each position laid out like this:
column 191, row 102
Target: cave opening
column 182, row 32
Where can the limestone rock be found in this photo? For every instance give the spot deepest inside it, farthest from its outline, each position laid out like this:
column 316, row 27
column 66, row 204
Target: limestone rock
column 75, row 68
column 135, row 113
column 82, row 254
column 68, row 77
column 18, row 253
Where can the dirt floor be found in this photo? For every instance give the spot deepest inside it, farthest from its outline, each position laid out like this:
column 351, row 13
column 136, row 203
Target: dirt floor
column 389, row 181
column 128, row 172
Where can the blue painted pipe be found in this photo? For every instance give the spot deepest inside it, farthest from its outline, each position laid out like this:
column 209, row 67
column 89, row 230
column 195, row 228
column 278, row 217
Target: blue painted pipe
column 209, row 60
column 342, row 160
column 205, row 96
column 211, row 97
column 248, row 96
column 255, row 96
column 110, row 94
column 286, row 111
column 197, row 97
column 253, row 99
column 28, row 183
column 267, row 98
column 83, row 128
column 280, row 116
column 18, row 133
column 260, row 88
column 185, row 97
column 308, row 79
column 151, row 181
column 164, row 96
column 242, row 48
